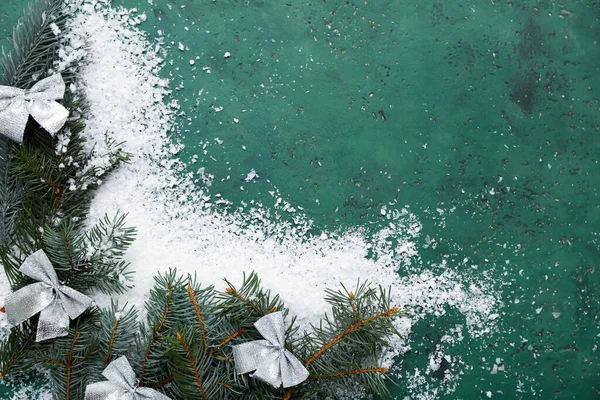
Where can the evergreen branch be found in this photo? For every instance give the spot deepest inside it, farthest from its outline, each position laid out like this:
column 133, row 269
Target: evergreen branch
column 235, row 303
column 163, row 382
column 231, row 290
column 353, row 304
column 388, row 314
column 156, row 334
column 53, row 361
column 72, row 359
column 192, row 295
column 225, row 385
column 192, row 362
column 17, row 344
column 228, row 339
column 69, row 365
column 111, row 342
column 118, row 329
column 35, row 46
column 69, row 251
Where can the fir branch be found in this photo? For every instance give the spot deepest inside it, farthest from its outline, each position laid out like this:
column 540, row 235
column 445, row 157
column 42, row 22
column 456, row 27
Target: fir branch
column 118, row 330
column 34, row 46
column 235, row 303
column 68, row 358
column 192, row 360
column 88, row 261
column 192, row 295
column 156, row 334
column 15, row 350
column 166, row 307
column 353, row 328
column 10, row 193
column 229, row 339
column 197, row 374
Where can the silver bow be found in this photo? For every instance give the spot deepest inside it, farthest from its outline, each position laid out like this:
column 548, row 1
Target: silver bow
column 56, row 303
column 269, row 358
column 16, row 105
column 121, row 385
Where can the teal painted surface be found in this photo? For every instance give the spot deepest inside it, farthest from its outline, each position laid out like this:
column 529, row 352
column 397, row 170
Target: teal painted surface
column 491, row 107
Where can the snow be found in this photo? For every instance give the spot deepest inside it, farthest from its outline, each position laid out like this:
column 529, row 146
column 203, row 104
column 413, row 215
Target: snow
column 179, row 226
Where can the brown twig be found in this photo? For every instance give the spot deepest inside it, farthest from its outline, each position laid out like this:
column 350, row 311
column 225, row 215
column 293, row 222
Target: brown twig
column 163, row 382
column 198, row 315
column 354, row 311
column 66, row 243
column 229, row 339
column 234, row 293
column 55, row 189
column 390, row 313
column 112, row 341
column 192, row 361
column 15, row 356
column 53, row 361
column 156, row 335
column 69, row 365
column 82, row 359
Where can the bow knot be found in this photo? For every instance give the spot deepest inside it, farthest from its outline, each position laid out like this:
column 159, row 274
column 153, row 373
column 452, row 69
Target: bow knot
column 16, row 105
column 56, row 303
column 122, row 384
column 269, row 358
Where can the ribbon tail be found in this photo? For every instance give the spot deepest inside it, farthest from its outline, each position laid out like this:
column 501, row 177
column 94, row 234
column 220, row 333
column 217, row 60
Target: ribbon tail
column 145, row 393
column 100, row 391
column 49, row 114
column 28, row 301
column 292, row 370
column 74, row 303
column 13, row 120
column 249, row 356
column 53, row 323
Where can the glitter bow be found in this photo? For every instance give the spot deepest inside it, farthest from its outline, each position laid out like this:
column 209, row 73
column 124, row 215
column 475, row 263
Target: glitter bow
column 56, row 303
column 269, row 358
column 16, row 105
column 121, row 385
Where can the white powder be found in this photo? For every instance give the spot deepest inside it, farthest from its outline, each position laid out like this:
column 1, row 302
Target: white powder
column 179, row 226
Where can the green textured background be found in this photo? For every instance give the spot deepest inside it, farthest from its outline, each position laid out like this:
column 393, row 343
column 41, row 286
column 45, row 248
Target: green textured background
column 472, row 92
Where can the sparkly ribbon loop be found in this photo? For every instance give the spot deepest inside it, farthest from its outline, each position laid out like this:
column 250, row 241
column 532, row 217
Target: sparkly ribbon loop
column 56, row 303
column 269, row 358
column 121, row 385
column 16, row 105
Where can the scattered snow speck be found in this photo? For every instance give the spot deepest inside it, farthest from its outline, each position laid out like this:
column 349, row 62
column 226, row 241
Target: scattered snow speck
column 251, row 175
column 55, row 29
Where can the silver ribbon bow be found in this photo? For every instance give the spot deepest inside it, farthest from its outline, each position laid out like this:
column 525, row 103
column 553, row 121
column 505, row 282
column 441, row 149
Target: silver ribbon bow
column 56, row 303
column 16, row 105
column 121, row 385
column 269, row 358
